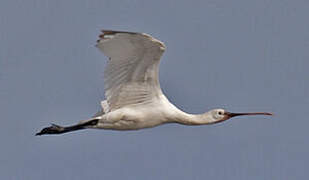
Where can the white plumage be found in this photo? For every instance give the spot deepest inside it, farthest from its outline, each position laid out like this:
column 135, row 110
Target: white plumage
column 134, row 99
column 131, row 75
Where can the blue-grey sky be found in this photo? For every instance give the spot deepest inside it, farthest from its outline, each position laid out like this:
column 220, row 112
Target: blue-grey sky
column 240, row 55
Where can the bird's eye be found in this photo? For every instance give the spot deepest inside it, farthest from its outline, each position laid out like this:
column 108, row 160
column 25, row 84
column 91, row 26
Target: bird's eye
column 220, row 113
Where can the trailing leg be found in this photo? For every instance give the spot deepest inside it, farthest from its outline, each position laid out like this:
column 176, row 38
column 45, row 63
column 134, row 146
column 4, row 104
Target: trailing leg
column 56, row 129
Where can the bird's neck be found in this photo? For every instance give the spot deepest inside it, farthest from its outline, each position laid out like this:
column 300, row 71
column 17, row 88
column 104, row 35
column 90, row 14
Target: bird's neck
column 193, row 119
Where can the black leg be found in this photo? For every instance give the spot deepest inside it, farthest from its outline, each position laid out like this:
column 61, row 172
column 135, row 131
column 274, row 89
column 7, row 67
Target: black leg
column 56, row 129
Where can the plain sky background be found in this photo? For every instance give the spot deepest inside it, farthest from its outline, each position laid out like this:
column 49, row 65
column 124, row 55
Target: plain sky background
column 240, row 55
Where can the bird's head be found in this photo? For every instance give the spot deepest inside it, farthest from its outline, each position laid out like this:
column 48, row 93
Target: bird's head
column 219, row 115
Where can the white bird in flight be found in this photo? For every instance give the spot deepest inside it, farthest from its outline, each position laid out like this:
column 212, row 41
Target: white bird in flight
column 134, row 99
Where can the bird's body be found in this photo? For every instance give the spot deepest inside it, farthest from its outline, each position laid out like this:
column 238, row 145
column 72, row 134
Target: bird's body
column 134, row 99
column 137, row 117
column 145, row 116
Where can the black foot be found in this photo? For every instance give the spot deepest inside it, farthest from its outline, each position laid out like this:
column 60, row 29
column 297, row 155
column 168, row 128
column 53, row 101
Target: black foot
column 53, row 129
column 56, row 129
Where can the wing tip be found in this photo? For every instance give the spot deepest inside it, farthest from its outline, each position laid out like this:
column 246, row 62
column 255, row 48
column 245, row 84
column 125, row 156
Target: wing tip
column 112, row 32
column 106, row 33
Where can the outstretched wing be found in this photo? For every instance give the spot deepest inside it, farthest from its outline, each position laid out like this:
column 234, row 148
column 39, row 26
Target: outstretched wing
column 131, row 75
